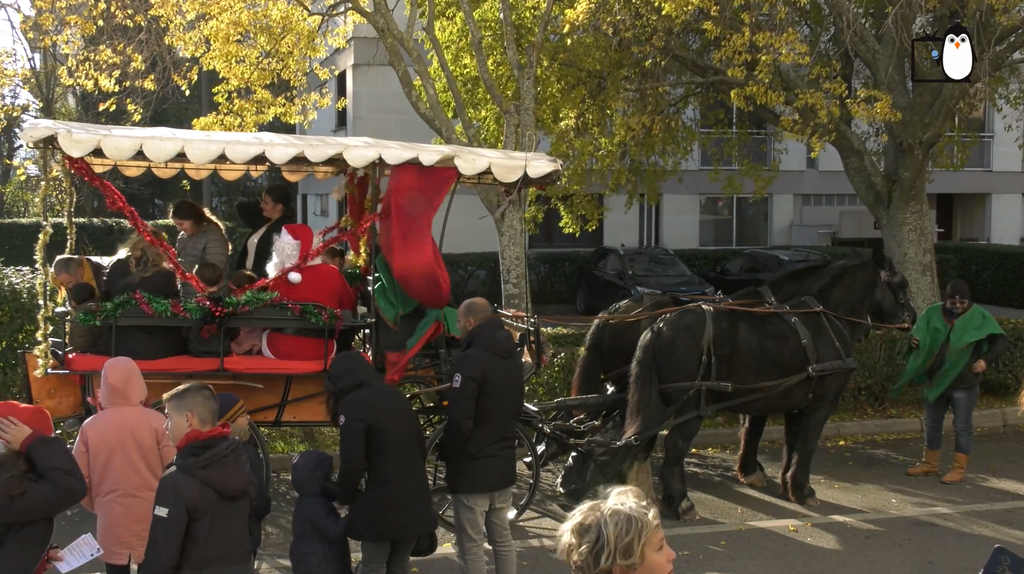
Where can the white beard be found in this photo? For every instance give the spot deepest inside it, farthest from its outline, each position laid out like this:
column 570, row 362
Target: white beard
column 286, row 253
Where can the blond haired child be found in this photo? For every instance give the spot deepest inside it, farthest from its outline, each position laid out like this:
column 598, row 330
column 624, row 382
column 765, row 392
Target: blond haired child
column 618, row 533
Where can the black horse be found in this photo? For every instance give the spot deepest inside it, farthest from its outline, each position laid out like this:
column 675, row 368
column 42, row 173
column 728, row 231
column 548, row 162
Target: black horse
column 609, row 347
column 753, row 362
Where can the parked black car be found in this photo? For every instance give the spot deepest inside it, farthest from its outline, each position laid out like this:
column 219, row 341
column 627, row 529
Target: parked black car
column 754, row 267
column 617, row 273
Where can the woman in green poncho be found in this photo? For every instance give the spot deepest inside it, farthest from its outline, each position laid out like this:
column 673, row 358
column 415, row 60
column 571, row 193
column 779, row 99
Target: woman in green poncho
column 952, row 344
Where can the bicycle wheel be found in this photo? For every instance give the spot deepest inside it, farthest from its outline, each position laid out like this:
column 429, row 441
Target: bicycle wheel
column 522, row 493
column 427, row 405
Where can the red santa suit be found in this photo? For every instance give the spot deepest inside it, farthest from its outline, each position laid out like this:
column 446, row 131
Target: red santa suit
column 314, row 283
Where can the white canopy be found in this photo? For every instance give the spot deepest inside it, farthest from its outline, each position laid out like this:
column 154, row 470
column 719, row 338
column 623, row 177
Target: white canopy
column 167, row 151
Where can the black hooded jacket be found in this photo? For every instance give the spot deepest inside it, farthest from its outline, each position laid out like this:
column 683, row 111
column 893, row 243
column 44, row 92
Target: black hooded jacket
column 201, row 513
column 380, row 438
column 478, row 444
column 319, row 545
column 55, row 484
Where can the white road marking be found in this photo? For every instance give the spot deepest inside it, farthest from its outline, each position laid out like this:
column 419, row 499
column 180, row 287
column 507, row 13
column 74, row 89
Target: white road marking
column 271, row 563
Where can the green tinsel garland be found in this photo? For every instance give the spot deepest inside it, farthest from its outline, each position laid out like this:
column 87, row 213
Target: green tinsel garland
column 42, row 282
column 202, row 308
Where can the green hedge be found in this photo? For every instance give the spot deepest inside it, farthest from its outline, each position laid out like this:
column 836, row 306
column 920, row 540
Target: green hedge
column 880, row 357
column 18, row 311
column 101, row 237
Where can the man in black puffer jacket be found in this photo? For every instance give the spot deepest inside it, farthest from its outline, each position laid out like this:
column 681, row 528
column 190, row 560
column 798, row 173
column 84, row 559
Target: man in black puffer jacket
column 478, row 444
column 201, row 513
column 380, row 438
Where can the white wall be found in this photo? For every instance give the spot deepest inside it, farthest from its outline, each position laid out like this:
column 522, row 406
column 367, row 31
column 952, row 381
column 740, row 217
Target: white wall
column 470, row 228
column 783, row 206
column 621, row 227
column 1006, row 141
column 680, row 223
column 379, row 108
column 1004, row 218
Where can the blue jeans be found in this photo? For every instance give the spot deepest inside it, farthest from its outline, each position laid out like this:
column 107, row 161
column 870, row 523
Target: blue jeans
column 962, row 402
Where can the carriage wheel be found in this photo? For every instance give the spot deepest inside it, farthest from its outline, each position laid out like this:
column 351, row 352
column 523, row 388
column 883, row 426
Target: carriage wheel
column 522, row 493
column 427, row 405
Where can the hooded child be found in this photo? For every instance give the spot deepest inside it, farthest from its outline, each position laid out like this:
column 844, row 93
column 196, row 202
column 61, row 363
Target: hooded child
column 319, row 544
column 232, row 410
column 200, row 520
column 39, row 479
column 203, row 341
column 122, row 451
column 315, row 282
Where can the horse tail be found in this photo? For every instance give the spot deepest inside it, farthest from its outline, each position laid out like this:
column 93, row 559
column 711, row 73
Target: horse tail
column 645, row 408
column 587, row 378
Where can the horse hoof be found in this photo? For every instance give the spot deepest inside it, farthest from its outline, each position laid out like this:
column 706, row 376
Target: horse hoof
column 688, row 511
column 812, row 501
column 755, row 480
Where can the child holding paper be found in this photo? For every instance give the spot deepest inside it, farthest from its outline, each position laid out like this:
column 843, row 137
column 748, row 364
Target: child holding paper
column 38, row 480
column 122, row 451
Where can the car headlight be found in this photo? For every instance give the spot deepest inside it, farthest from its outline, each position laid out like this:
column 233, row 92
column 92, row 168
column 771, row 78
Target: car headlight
column 646, row 291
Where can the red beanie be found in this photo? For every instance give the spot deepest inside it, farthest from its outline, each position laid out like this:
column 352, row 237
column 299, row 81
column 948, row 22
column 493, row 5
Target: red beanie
column 34, row 417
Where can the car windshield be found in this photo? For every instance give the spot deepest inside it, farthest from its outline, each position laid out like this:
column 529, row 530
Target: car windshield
column 656, row 264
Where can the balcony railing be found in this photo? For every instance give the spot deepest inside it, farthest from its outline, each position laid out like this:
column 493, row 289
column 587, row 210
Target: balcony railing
column 730, row 149
column 977, row 148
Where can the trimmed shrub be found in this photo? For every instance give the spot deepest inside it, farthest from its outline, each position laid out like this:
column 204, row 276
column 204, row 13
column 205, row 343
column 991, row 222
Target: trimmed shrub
column 995, row 273
column 881, row 359
column 103, row 237
column 18, row 311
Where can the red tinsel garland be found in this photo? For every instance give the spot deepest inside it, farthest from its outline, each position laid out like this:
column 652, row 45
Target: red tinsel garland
column 116, row 202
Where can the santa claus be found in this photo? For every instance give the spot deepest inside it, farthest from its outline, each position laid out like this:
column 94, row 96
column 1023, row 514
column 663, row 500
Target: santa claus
column 315, row 282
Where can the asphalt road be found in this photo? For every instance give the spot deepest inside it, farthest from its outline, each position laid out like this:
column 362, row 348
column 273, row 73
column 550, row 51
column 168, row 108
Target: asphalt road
column 872, row 517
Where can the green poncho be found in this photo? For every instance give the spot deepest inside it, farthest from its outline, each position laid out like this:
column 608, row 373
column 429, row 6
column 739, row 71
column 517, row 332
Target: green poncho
column 931, row 330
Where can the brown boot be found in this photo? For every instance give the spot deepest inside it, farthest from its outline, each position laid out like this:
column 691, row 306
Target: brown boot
column 929, row 466
column 959, row 472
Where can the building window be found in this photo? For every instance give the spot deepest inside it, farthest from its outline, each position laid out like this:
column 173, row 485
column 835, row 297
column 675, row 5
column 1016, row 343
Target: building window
column 340, row 93
column 550, row 236
column 812, row 162
column 969, row 142
column 650, row 225
column 739, row 221
column 322, row 205
column 731, row 136
column 831, row 200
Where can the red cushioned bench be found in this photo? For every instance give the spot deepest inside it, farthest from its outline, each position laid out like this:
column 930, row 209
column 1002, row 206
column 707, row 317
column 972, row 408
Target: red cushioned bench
column 247, row 364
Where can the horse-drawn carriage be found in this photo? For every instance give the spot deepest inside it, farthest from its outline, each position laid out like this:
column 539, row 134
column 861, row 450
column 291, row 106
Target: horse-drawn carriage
column 277, row 392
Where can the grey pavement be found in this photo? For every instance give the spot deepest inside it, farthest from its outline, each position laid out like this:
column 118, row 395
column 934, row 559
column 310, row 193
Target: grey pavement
column 872, row 517
column 1005, row 312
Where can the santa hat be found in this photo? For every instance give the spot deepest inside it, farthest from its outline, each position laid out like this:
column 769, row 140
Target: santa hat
column 303, row 235
column 33, row 416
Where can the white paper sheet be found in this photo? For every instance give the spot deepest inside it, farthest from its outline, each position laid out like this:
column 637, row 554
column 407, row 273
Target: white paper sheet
column 78, row 552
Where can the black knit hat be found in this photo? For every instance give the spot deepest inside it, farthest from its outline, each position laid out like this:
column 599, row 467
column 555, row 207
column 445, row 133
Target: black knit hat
column 957, row 289
column 230, row 407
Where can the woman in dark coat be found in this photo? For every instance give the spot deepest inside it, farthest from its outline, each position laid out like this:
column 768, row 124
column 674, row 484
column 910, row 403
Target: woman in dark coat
column 142, row 269
column 277, row 209
column 380, row 439
column 39, row 479
column 319, row 545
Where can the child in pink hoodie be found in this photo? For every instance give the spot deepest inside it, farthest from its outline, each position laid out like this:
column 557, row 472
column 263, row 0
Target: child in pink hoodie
column 122, row 451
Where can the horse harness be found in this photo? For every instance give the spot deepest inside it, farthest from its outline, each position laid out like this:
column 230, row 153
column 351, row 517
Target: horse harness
column 813, row 371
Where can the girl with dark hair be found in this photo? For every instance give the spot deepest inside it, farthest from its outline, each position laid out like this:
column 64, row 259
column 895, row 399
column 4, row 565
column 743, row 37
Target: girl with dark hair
column 200, row 239
column 39, row 479
column 277, row 209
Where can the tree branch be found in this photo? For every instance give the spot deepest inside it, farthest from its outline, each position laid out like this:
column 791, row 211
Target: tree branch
column 395, row 43
column 511, row 49
column 477, row 43
column 453, row 87
column 410, row 24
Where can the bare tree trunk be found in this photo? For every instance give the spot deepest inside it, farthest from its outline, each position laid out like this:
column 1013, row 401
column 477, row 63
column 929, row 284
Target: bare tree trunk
column 909, row 241
column 509, row 224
